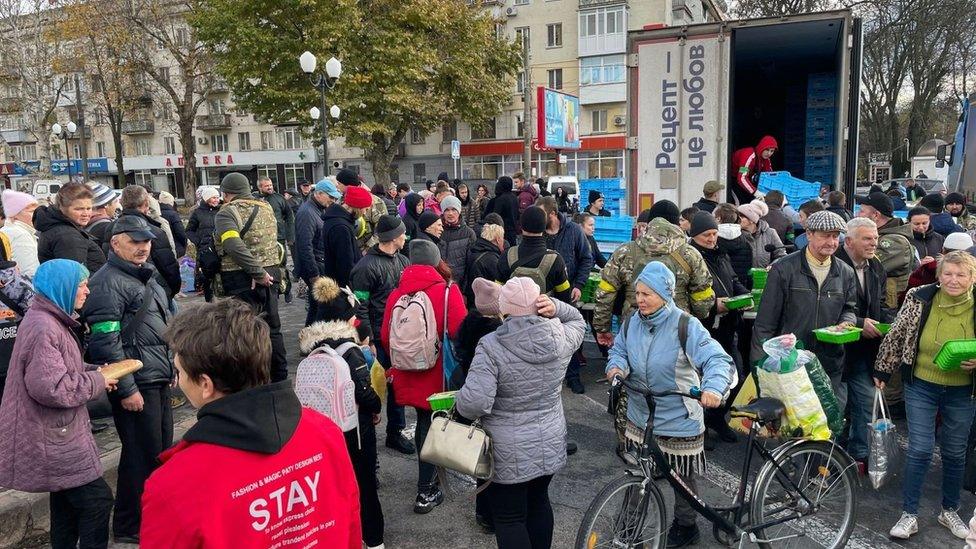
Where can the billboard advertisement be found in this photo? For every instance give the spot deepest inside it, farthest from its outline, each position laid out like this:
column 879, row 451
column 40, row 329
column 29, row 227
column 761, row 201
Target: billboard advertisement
column 559, row 120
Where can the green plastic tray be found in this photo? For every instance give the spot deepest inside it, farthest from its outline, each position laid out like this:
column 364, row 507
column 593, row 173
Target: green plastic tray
column 852, row 334
column 441, row 401
column 953, row 352
column 739, row 301
column 883, row 327
column 758, row 277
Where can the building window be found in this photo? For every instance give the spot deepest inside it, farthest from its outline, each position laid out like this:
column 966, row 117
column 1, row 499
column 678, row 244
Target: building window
column 294, row 173
column 165, row 111
column 99, row 149
column 419, row 173
column 520, row 82
column 554, row 35
column 602, row 21
column 169, row 143
column 290, row 138
column 555, row 78
column 143, row 147
column 99, row 116
column 607, row 69
column 244, row 141
column 449, row 132
column 271, row 172
column 519, row 126
column 143, row 177
column 486, row 131
column 523, row 37
column 164, row 74
column 182, row 36
column 267, row 141
column 599, row 121
column 218, row 106
column 417, row 137
column 218, row 143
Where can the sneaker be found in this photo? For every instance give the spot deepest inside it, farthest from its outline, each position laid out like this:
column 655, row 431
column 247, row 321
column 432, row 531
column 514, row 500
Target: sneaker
column 399, row 443
column 576, row 386
column 682, row 536
column 427, row 500
column 950, row 519
column 908, row 525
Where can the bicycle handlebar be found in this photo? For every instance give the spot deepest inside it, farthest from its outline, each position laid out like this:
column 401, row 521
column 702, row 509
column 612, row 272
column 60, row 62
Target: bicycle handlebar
column 694, row 393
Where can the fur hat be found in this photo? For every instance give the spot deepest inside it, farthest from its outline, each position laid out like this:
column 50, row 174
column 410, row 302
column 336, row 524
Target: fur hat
column 335, row 303
column 317, row 333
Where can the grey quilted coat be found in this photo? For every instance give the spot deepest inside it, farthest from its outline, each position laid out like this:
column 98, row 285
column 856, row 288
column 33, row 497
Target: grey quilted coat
column 514, row 386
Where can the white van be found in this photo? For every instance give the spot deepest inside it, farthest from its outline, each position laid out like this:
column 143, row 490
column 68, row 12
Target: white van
column 45, row 189
column 568, row 182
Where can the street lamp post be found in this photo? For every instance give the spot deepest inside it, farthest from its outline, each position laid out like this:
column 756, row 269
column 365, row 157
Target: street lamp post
column 62, row 133
column 322, row 82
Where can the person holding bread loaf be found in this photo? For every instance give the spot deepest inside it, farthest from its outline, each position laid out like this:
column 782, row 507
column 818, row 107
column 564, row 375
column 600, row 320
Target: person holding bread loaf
column 46, row 443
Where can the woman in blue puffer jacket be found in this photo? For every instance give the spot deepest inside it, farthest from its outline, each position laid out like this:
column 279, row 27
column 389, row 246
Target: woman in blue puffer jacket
column 679, row 428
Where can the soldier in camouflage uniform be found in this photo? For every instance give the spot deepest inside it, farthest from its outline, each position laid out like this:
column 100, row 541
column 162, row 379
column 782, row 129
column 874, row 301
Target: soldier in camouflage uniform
column 955, row 204
column 666, row 243
column 365, row 225
column 246, row 238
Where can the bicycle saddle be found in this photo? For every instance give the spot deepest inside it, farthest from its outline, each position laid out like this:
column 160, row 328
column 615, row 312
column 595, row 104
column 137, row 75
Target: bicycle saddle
column 760, row 409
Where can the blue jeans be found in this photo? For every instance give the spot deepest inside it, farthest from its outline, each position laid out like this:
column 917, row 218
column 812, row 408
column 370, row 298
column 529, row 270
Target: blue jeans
column 860, row 399
column 923, row 400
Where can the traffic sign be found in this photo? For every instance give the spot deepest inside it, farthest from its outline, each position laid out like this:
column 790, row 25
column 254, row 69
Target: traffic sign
column 456, row 149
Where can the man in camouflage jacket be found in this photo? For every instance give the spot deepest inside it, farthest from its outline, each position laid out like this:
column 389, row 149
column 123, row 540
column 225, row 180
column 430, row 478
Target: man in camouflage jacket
column 662, row 242
column 246, row 237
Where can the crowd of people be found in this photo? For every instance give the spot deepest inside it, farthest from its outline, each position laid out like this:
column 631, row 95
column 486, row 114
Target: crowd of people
column 453, row 287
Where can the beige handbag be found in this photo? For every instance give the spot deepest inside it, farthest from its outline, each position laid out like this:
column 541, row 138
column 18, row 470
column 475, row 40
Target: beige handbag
column 458, row 447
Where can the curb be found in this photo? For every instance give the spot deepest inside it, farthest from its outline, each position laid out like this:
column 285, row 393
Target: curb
column 25, row 516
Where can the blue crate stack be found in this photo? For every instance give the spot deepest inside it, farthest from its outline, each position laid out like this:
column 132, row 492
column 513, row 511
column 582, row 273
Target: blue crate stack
column 821, row 115
column 796, row 191
column 611, row 232
column 794, row 124
column 613, row 190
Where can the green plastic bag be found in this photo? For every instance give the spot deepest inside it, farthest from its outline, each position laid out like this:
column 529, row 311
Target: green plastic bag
column 825, row 392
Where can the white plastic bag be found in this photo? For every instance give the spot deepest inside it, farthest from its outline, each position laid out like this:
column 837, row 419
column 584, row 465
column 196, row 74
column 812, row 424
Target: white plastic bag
column 883, row 443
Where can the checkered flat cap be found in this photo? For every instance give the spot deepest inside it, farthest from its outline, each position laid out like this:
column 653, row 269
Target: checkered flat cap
column 826, row 222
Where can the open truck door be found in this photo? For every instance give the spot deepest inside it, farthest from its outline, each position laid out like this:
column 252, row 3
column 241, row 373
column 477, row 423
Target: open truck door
column 697, row 93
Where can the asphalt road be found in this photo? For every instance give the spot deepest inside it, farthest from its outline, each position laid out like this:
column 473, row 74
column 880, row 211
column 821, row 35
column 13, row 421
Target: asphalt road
column 452, row 525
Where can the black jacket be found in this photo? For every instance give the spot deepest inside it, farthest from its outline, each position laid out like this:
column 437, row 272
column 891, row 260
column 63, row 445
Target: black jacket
column 705, row 205
column 59, row 238
column 283, row 213
column 573, row 247
column 307, row 254
column 843, row 212
column 481, row 262
column 781, row 223
column 200, row 227
column 372, row 279
column 870, row 304
column 740, row 256
column 454, row 245
column 172, row 216
column 338, row 244
column 117, row 291
column 928, row 244
column 505, row 204
column 474, row 327
column 725, row 284
column 598, row 257
column 411, row 220
column 792, row 303
column 557, row 282
column 161, row 255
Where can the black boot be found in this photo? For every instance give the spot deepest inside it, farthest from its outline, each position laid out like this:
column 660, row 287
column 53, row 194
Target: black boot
column 682, row 536
column 400, row 443
column 427, row 499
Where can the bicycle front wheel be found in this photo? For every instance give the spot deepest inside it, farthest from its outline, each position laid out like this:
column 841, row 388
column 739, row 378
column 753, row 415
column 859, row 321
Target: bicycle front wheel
column 628, row 513
column 826, row 477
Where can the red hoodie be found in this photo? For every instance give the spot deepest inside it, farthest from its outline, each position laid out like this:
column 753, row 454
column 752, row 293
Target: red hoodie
column 748, row 163
column 256, row 471
column 413, row 388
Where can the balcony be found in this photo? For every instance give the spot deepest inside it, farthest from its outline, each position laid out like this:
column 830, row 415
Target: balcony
column 137, row 127
column 602, row 44
column 219, row 86
column 212, row 122
column 603, row 93
column 599, row 3
column 18, row 136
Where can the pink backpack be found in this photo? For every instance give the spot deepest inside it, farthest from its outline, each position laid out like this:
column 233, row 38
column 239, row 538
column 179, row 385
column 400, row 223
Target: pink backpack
column 324, row 383
column 414, row 341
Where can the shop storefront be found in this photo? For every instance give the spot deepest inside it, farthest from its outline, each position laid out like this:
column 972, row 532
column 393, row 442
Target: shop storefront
column 600, row 157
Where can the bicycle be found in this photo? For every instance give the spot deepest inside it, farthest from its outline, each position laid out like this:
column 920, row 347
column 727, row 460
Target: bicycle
column 789, row 501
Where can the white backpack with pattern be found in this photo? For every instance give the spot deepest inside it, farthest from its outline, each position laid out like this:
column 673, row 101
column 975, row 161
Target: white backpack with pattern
column 414, row 341
column 324, row 383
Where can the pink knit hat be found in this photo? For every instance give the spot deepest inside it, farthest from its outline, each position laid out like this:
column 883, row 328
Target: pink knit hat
column 518, row 296
column 486, row 296
column 751, row 211
column 14, row 202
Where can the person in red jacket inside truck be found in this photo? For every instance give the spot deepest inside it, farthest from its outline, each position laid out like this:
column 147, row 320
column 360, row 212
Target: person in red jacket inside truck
column 257, row 470
column 747, row 164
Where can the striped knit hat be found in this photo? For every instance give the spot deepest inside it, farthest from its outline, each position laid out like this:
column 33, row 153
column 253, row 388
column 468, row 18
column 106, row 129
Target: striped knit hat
column 103, row 195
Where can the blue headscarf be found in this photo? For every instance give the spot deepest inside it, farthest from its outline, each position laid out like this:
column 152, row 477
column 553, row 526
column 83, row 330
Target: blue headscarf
column 58, row 281
column 660, row 279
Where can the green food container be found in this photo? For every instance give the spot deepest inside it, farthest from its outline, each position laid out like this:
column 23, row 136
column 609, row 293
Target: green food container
column 756, row 296
column 838, row 338
column 758, row 278
column 953, row 352
column 442, row 401
column 739, row 301
column 883, row 327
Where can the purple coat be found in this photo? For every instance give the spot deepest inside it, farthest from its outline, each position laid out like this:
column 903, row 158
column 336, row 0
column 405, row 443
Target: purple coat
column 46, row 443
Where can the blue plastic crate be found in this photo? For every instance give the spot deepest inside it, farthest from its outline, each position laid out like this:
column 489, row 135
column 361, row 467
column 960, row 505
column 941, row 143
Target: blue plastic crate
column 819, row 150
column 796, row 190
column 818, row 141
column 814, row 162
column 622, row 222
column 820, row 133
column 820, row 102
